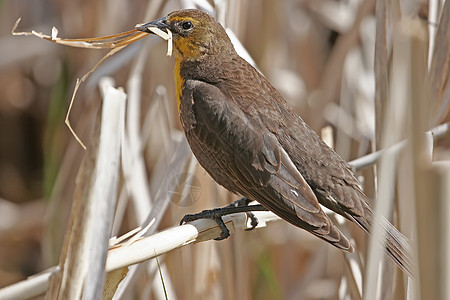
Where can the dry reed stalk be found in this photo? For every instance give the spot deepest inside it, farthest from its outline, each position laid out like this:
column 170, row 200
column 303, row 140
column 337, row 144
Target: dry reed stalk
column 82, row 262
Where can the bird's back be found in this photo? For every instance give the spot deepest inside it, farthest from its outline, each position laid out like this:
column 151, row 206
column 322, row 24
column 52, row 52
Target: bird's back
column 264, row 109
column 241, row 131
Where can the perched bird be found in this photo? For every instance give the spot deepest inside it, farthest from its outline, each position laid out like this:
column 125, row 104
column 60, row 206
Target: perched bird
column 248, row 138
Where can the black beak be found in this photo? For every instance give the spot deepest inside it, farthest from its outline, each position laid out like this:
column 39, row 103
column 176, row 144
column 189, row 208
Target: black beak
column 160, row 23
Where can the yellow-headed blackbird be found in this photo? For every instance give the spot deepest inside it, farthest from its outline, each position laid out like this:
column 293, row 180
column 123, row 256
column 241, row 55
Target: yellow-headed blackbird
column 248, row 138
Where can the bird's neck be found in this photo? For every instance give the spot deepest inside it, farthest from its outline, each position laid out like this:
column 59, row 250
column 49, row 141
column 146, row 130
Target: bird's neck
column 207, row 68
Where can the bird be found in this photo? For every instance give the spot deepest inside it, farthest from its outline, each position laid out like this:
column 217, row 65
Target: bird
column 252, row 142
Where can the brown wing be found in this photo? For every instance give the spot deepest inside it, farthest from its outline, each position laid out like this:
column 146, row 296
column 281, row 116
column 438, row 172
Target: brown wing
column 241, row 154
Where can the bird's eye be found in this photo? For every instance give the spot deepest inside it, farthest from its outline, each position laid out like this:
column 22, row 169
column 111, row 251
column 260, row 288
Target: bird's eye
column 187, row 25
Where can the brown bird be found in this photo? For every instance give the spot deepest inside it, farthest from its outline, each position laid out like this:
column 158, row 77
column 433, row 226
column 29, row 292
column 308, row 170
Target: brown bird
column 248, row 138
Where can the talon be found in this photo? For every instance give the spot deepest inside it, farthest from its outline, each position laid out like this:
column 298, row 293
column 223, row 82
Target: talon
column 190, row 218
column 216, row 215
column 254, row 221
column 225, row 233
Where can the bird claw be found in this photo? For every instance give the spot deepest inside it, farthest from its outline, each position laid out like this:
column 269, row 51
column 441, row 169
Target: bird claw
column 224, row 233
column 245, row 202
column 254, row 221
column 214, row 214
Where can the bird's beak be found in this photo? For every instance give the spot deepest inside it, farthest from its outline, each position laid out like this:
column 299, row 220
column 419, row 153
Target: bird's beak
column 160, row 24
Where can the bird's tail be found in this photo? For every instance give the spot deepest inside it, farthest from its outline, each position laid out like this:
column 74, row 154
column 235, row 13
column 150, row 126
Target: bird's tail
column 397, row 245
column 398, row 248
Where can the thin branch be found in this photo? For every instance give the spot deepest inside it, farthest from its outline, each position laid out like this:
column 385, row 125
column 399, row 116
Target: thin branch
column 145, row 248
column 370, row 159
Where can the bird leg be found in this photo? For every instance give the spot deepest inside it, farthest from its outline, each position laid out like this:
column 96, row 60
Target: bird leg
column 241, row 205
column 244, row 202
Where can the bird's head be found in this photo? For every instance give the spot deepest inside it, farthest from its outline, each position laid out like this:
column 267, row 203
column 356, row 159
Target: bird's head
column 195, row 33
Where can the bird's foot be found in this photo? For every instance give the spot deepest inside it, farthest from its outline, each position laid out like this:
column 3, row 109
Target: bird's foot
column 216, row 214
column 244, row 202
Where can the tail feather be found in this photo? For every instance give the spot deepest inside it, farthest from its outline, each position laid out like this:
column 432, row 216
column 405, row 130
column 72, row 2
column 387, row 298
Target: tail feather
column 398, row 248
column 397, row 245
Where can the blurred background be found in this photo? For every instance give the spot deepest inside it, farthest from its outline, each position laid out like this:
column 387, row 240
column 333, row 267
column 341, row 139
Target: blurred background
column 332, row 60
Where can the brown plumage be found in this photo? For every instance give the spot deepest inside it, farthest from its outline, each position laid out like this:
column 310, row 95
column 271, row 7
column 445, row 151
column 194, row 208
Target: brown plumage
column 248, row 138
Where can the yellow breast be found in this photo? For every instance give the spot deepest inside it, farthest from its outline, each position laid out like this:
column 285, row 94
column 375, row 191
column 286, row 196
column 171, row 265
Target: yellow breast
column 179, row 81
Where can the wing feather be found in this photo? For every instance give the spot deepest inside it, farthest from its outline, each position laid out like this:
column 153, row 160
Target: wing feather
column 251, row 160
